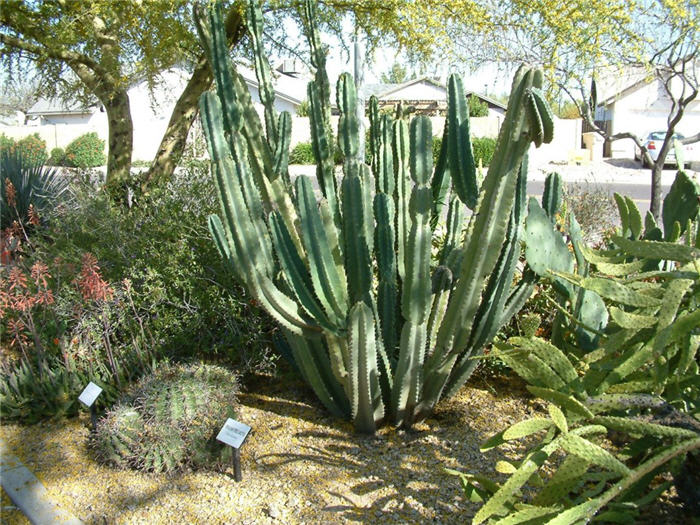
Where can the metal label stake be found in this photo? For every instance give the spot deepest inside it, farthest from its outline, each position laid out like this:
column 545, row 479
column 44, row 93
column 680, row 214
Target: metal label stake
column 234, row 434
column 87, row 398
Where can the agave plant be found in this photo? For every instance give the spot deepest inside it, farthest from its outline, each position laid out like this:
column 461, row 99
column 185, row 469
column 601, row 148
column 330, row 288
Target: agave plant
column 378, row 333
column 26, row 185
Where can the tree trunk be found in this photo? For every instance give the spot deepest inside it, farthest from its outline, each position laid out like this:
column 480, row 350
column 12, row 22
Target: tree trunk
column 186, row 108
column 175, row 137
column 655, row 204
column 121, row 141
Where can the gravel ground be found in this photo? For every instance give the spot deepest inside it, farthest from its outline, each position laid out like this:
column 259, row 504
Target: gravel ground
column 299, row 466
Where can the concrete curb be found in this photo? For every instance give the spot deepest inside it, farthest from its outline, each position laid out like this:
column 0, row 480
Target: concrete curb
column 28, row 493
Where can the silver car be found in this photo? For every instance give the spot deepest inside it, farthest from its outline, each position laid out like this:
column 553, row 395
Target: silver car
column 653, row 143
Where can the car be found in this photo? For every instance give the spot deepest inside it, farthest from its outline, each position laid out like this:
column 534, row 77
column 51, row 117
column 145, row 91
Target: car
column 653, row 142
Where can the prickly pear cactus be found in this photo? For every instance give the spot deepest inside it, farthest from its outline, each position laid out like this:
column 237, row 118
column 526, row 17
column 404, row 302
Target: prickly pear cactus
column 168, row 421
column 378, row 332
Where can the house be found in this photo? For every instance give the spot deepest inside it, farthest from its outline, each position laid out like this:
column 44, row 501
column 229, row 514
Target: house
column 637, row 102
column 54, row 111
column 59, row 122
column 427, row 95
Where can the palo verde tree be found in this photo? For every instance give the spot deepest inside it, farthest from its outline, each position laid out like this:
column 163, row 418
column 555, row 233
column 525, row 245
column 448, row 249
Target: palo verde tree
column 108, row 45
column 651, row 40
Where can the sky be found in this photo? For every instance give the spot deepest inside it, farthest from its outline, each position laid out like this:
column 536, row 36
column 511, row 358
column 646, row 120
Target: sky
column 488, row 80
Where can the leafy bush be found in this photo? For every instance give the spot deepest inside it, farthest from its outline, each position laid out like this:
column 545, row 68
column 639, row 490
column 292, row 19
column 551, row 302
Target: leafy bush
column 483, row 149
column 477, row 107
column 57, row 158
column 32, row 148
column 169, row 420
column 302, row 153
column 6, row 143
column 86, row 151
column 594, row 209
column 179, row 285
column 28, row 191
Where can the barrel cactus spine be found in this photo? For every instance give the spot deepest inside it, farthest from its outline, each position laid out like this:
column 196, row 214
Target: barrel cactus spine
column 378, row 333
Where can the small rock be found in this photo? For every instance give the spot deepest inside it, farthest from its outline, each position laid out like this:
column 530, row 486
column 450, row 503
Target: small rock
column 273, row 511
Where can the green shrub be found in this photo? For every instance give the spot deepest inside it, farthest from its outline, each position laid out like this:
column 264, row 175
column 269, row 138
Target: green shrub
column 477, row 107
column 57, row 158
column 6, row 143
column 302, row 153
column 169, row 420
column 86, row 151
column 483, row 149
column 32, row 148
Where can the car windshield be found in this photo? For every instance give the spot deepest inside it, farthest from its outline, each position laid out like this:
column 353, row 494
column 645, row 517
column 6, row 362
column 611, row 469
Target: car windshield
column 661, row 135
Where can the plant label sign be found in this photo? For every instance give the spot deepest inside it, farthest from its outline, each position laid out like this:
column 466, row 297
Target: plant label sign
column 233, row 433
column 88, row 396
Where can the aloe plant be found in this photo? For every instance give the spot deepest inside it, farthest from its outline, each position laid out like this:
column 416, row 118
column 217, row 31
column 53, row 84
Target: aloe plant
column 378, row 333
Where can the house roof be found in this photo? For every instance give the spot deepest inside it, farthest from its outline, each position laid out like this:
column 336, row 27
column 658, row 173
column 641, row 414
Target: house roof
column 45, row 106
column 382, row 90
column 287, row 87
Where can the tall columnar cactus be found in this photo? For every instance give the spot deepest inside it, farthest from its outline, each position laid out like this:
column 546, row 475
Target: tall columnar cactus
column 377, row 331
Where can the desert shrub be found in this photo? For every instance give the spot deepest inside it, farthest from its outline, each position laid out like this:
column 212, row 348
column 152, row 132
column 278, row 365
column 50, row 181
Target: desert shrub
column 477, row 107
column 179, row 285
column 169, row 420
column 28, row 191
column 32, row 148
column 483, row 148
column 594, row 209
column 57, row 157
column 86, row 151
column 302, row 153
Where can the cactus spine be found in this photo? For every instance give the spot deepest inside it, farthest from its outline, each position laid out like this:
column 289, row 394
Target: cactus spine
column 377, row 332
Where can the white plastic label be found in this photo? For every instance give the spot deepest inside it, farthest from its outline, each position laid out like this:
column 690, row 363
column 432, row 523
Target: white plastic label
column 88, row 396
column 233, row 433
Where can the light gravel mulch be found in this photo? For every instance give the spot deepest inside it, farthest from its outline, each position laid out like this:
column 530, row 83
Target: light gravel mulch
column 299, row 466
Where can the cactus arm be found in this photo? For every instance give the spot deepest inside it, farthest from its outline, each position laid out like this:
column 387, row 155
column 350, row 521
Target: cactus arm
column 374, row 134
column 386, row 264
column 416, row 296
column 328, row 282
column 313, row 372
column 357, row 258
column 552, row 194
column 488, row 230
column 318, row 61
column 254, row 23
column 367, row 404
column 459, row 151
column 441, row 287
column 248, row 252
column 400, row 149
column 348, row 124
column 385, row 161
column 323, row 150
column 441, row 178
column 295, row 272
column 456, row 216
column 281, row 156
column 225, row 244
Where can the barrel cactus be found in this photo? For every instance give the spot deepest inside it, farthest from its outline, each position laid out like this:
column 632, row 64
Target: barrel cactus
column 378, row 331
column 168, row 421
